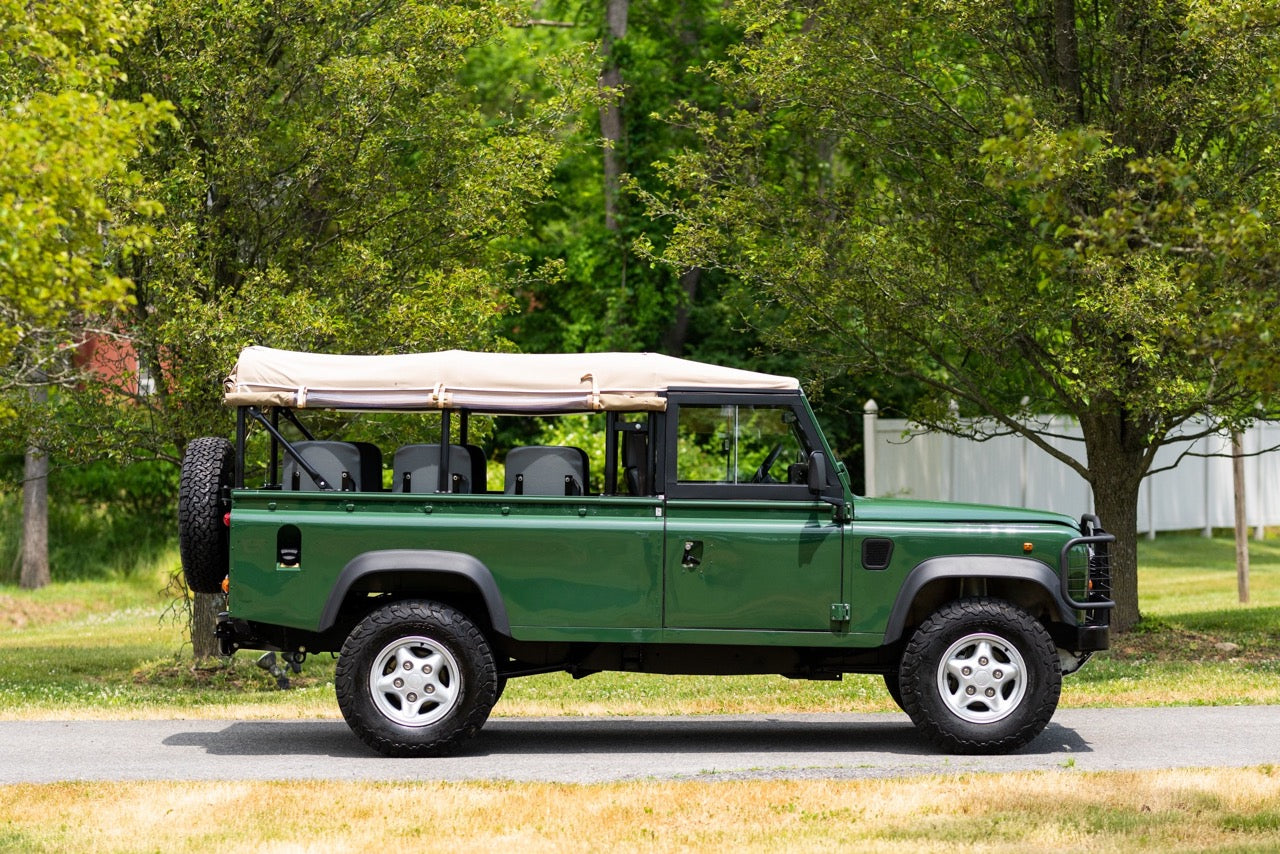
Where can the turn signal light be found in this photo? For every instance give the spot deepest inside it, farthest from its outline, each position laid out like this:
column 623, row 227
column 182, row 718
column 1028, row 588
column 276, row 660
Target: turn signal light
column 226, row 584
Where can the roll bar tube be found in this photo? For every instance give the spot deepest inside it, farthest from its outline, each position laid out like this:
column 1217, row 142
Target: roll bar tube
column 311, row 471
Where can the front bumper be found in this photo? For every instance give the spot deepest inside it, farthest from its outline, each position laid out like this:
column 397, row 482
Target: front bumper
column 1082, row 639
column 1093, row 633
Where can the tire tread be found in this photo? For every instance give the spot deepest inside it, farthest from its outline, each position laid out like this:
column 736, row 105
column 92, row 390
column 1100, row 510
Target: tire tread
column 202, row 537
column 448, row 624
column 980, row 613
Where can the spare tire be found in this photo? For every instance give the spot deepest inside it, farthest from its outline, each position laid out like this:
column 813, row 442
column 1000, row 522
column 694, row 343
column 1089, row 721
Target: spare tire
column 207, row 471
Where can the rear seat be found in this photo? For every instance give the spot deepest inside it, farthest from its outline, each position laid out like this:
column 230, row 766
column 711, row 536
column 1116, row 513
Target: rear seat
column 346, row 466
column 416, row 468
column 546, row 470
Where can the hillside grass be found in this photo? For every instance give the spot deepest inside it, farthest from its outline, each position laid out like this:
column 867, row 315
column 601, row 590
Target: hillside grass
column 114, row 647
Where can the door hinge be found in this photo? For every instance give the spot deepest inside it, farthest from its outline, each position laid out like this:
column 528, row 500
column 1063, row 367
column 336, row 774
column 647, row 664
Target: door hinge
column 839, row 612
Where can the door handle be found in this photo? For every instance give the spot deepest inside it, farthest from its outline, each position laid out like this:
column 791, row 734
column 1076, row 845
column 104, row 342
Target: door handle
column 692, row 557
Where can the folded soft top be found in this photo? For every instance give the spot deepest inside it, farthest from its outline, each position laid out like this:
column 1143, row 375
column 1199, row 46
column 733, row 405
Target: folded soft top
column 485, row 382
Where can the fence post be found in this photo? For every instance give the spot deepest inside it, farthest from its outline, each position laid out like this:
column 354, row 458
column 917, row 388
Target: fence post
column 1207, row 531
column 1256, row 444
column 1151, row 510
column 870, row 411
column 952, row 454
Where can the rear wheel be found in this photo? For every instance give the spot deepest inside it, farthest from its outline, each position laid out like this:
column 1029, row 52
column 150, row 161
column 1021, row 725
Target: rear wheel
column 207, row 471
column 416, row 678
column 980, row 676
column 893, row 684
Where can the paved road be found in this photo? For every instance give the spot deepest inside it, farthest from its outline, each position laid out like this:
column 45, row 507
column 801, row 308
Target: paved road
column 603, row 749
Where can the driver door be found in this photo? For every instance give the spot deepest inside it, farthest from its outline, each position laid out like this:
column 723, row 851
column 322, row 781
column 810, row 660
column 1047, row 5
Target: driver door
column 747, row 545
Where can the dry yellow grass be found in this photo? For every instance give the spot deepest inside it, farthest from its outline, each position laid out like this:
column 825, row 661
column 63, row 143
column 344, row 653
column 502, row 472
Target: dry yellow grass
column 1057, row 811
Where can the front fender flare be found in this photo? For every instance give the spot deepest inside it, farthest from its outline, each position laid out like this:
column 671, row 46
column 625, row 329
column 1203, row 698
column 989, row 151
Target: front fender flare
column 426, row 562
column 971, row 566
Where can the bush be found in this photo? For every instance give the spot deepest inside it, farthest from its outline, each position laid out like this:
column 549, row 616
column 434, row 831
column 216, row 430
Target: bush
column 105, row 519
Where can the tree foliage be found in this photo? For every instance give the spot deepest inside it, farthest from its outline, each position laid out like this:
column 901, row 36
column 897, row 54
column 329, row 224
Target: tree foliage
column 331, row 183
column 1020, row 205
column 69, row 202
column 608, row 296
column 1042, row 205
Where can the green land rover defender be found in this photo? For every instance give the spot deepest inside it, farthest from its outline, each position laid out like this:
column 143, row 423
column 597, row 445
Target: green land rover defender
column 709, row 530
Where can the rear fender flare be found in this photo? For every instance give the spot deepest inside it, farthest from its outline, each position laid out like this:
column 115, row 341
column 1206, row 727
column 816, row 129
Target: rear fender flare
column 424, row 562
column 971, row 567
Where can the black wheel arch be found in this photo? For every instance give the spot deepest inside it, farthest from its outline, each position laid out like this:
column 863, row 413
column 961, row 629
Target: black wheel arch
column 1029, row 583
column 454, row 577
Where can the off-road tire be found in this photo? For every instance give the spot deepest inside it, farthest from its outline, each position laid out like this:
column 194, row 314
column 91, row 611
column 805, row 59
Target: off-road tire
column 207, row 470
column 985, row 645
column 438, row 651
column 893, row 684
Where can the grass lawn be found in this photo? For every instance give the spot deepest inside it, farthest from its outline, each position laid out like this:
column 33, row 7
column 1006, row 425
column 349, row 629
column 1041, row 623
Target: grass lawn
column 1168, row 811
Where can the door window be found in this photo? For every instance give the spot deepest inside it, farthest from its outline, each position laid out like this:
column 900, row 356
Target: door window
column 738, row 444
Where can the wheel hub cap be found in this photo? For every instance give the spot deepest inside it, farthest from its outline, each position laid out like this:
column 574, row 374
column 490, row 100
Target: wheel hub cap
column 414, row 681
column 982, row 678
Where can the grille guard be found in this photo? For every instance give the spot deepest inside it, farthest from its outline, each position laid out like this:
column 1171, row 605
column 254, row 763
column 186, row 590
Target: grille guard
column 1098, row 580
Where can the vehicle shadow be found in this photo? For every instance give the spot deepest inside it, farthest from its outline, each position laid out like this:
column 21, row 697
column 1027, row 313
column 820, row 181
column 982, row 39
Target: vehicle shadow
column 602, row 737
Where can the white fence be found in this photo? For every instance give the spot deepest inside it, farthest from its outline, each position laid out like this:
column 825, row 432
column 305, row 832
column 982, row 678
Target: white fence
column 900, row 460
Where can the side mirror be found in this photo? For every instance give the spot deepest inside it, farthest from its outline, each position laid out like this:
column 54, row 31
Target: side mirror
column 817, row 472
column 818, row 483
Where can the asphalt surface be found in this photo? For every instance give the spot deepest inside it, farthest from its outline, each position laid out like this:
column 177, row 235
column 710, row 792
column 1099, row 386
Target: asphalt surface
column 590, row 750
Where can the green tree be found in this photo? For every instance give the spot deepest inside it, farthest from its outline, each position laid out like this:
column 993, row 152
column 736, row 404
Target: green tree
column 66, row 195
column 608, row 296
column 331, row 183
column 66, row 189
column 1024, row 206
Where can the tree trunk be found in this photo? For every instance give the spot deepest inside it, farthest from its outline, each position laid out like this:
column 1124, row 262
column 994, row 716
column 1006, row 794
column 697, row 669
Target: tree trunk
column 35, row 521
column 204, row 617
column 1117, row 507
column 35, row 512
column 1117, row 463
column 678, row 332
column 1066, row 56
column 611, row 110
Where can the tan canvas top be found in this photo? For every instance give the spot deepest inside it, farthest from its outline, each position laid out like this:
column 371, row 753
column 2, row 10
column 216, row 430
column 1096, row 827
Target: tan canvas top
column 487, row 382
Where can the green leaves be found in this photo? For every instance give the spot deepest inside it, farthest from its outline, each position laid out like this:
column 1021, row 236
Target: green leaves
column 69, row 206
column 333, row 181
column 921, row 165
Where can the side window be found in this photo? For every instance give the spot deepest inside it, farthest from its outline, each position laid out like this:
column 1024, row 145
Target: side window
column 734, row 444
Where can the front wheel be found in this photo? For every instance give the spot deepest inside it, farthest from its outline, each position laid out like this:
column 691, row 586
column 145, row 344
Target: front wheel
column 980, row 676
column 416, row 678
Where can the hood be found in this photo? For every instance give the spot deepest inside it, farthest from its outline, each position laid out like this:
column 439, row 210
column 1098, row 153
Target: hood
column 912, row 510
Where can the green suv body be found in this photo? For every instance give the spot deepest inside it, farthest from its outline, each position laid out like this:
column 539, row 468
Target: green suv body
column 720, row 537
